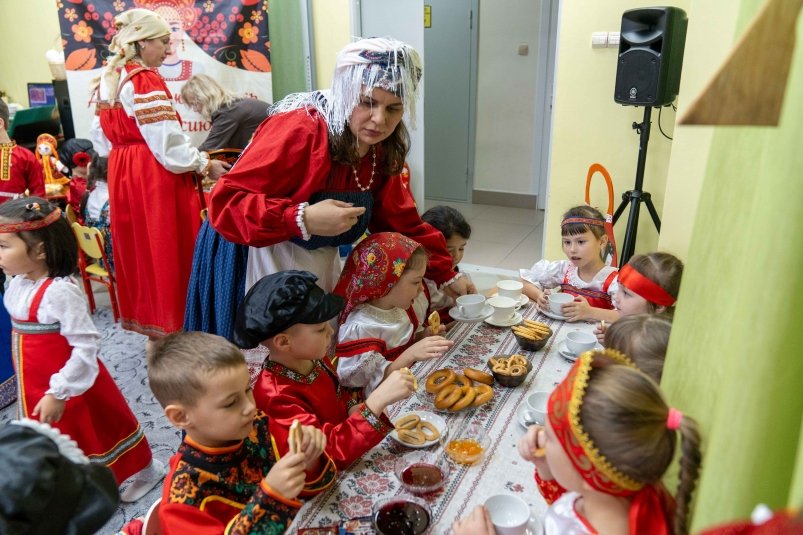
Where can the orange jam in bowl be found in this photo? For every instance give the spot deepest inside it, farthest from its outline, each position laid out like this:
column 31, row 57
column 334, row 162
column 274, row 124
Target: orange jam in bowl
column 464, row 450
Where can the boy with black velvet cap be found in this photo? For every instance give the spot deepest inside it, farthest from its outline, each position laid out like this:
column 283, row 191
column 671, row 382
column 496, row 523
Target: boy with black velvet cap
column 291, row 315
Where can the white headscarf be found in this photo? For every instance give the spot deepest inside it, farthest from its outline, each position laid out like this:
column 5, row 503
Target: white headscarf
column 376, row 62
column 132, row 26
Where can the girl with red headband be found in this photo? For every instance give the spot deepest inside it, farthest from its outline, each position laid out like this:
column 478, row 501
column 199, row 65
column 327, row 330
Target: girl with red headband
column 55, row 346
column 648, row 284
column 608, row 440
column 386, row 304
column 583, row 274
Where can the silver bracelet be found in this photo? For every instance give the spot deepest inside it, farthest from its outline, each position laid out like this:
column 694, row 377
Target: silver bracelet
column 300, row 221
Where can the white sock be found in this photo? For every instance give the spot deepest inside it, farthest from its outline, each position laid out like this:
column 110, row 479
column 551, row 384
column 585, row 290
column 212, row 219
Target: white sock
column 138, row 485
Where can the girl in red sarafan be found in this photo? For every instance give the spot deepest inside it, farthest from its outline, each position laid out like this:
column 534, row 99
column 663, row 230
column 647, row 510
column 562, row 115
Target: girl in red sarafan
column 55, row 347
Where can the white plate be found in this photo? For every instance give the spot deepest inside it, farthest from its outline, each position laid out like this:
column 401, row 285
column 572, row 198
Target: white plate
column 549, row 314
column 515, row 320
column 487, row 310
column 520, row 416
column 434, row 419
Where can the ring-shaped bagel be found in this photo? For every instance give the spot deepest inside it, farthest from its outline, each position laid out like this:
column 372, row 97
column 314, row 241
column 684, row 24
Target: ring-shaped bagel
column 467, row 395
column 438, row 379
column 408, row 421
column 429, row 430
column 448, row 396
column 484, row 393
column 462, row 380
column 517, row 370
column 411, row 436
column 480, row 377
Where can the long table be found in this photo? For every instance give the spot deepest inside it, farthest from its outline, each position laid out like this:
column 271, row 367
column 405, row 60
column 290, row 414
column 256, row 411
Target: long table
column 500, row 471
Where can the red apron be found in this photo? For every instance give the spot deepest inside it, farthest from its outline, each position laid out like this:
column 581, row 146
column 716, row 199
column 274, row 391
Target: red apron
column 595, row 298
column 99, row 420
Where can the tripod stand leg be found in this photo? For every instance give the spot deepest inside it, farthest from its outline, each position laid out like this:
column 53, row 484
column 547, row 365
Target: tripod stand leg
column 631, row 231
column 655, row 219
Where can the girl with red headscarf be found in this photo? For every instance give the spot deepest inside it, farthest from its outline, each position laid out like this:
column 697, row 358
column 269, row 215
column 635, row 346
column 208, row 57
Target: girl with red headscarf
column 386, row 304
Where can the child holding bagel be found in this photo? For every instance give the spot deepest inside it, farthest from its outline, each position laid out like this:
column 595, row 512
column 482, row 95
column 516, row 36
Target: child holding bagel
column 288, row 313
column 583, row 274
column 608, row 440
column 382, row 324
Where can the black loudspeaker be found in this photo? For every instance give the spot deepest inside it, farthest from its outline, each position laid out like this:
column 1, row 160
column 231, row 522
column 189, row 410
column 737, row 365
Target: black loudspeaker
column 650, row 56
column 65, row 109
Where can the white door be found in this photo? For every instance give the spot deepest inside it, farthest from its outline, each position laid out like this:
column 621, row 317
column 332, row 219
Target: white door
column 402, row 20
column 450, row 41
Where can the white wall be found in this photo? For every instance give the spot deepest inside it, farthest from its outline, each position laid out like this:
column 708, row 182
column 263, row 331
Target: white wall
column 506, row 96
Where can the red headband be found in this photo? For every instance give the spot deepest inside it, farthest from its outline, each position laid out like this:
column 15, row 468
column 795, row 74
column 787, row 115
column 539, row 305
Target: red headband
column 634, row 281
column 49, row 219
column 564, row 416
column 583, row 220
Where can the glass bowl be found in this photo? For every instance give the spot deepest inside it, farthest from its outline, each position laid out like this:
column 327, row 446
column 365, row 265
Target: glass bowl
column 467, row 445
column 421, row 472
column 401, row 515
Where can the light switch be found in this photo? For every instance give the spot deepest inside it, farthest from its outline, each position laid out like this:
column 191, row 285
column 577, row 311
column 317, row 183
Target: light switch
column 599, row 39
column 524, row 49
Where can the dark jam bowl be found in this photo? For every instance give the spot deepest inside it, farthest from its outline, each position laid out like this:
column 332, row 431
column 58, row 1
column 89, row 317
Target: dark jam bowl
column 422, row 472
column 402, row 515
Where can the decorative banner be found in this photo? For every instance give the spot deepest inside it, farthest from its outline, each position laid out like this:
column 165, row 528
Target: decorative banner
column 227, row 40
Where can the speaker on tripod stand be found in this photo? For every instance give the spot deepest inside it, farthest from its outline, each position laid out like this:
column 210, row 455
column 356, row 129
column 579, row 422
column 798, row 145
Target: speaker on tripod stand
column 651, row 46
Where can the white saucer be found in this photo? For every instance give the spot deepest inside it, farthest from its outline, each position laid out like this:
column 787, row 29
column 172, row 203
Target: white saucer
column 523, row 300
column 515, row 320
column 520, row 416
column 549, row 314
column 434, row 419
column 487, row 310
column 564, row 352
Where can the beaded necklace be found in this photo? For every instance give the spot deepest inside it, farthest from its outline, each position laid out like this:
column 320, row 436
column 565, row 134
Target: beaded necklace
column 373, row 169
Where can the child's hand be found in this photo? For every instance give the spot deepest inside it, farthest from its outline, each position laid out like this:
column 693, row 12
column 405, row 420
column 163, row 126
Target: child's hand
column 531, row 448
column 313, row 442
column 577, row 310
column 600, row 330
column 542, row 301
column 396, row 386
column 430, row 347
column 287, row 476
column 49, row 409
column 477, row 523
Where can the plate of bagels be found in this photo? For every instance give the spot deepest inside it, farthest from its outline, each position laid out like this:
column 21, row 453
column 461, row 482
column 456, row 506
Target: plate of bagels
column 449, row 390
column 418, row 429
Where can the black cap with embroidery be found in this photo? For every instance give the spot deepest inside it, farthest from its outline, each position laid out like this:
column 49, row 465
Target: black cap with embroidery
column 279, row 301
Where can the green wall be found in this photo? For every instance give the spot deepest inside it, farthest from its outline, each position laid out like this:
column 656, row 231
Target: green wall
column 286, row 48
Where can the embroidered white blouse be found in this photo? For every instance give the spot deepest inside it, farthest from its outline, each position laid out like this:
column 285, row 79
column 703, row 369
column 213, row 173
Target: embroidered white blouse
column 393, row 326
column 165, row 138
column 562, row 519
column 549, row 274
column 63, row 302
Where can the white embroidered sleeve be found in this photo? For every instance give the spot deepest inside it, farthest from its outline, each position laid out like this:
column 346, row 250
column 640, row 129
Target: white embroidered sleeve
column 64, row 302
column 365, row 370
column 158, row 123
column 545, row 274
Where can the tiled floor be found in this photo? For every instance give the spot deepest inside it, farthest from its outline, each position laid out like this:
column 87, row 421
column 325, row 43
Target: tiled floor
column 502, row 238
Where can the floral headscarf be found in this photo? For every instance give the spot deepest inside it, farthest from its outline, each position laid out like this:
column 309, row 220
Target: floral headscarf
column 373, row 268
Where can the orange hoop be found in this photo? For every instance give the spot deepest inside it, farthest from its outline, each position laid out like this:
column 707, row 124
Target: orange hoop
column 598, row 168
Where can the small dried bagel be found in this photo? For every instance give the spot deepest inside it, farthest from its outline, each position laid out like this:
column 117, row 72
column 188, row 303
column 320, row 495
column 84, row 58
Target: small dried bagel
column 411, row 436
column 467, row 395
column 480, row 377
column 408, row 421
column 483, row 394
column 448, row 396
column 429, row 430
column 462, row 380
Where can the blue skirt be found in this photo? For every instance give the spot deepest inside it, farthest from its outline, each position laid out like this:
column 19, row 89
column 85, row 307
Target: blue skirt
column 217, row 283
column 8, row 382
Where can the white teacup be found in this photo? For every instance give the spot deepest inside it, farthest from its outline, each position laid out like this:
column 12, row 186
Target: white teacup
column 504, row 308
column 510, row 288
column 537, row 402
column 580, row 341
column 509, row 514
column 470, row 306
column 557, row 300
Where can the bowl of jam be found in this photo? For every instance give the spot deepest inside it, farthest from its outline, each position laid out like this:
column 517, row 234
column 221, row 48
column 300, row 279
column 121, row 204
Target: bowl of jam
column 467, row 445
column 402, row 515
column 421, row 472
